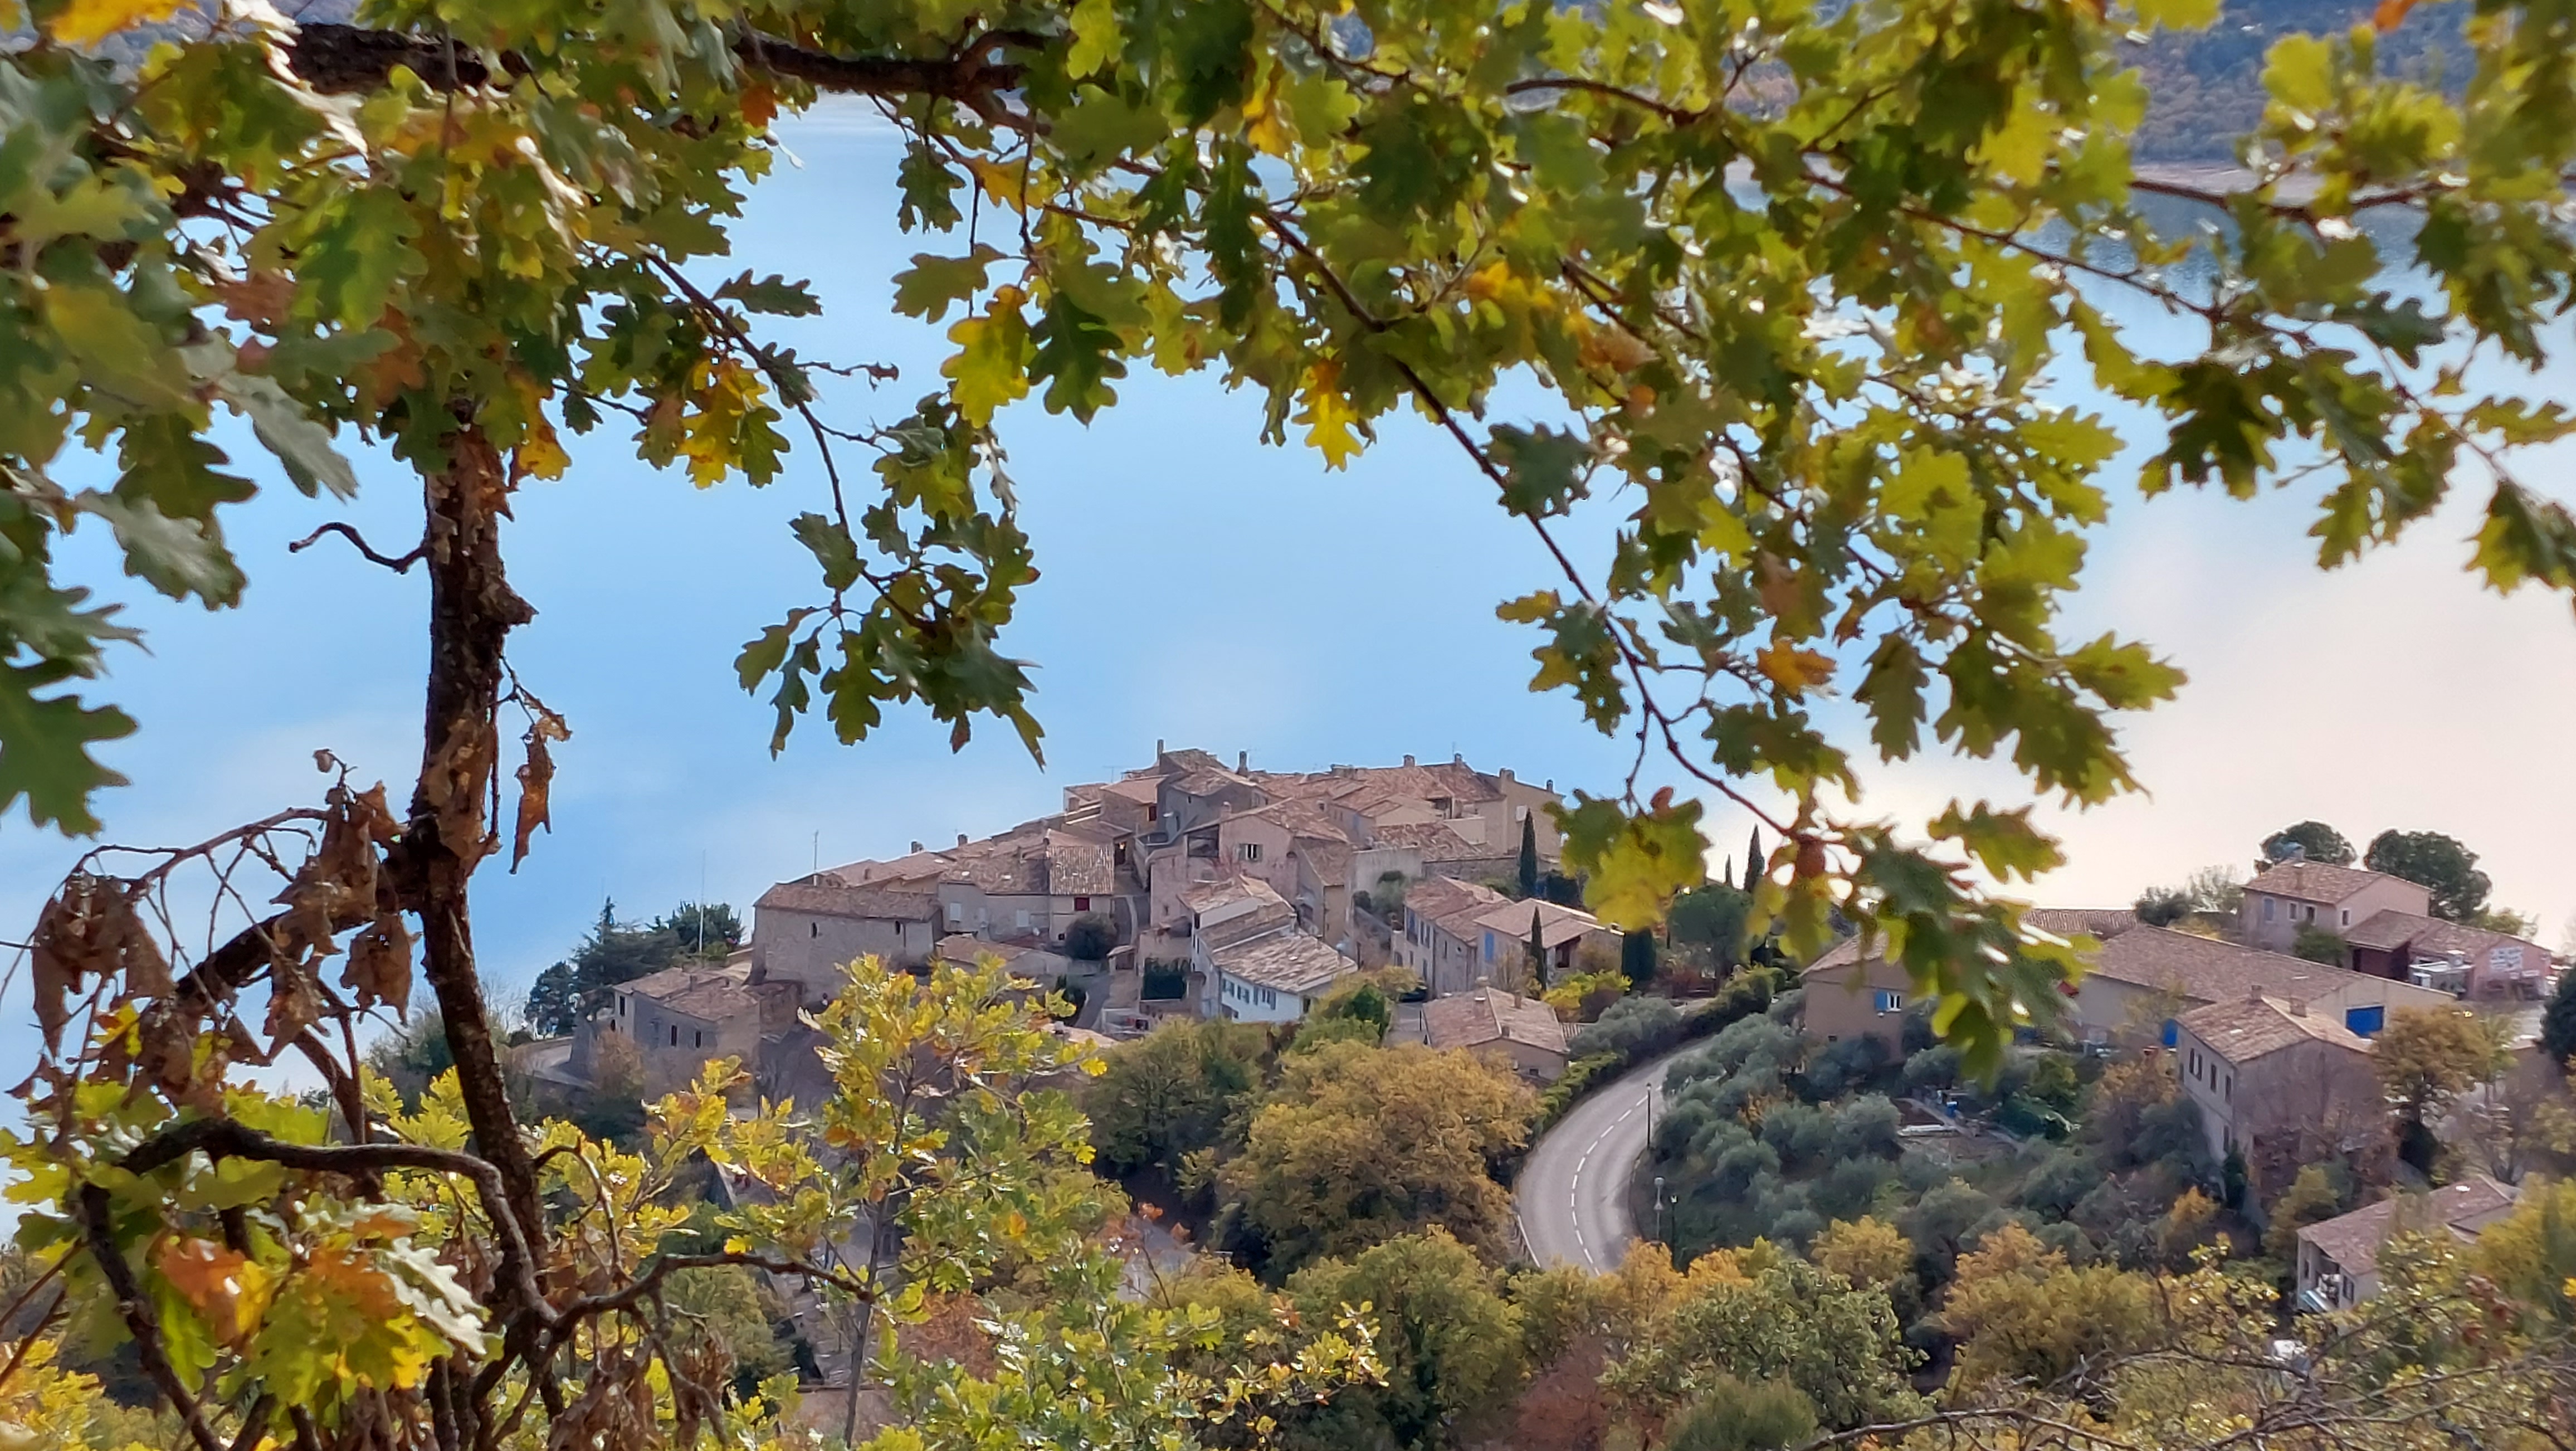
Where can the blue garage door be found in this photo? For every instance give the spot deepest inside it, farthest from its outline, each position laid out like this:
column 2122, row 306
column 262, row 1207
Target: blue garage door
column 2365, row 1022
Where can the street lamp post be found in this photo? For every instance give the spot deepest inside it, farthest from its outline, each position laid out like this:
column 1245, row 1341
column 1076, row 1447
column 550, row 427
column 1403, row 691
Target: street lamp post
column 1659, row 1206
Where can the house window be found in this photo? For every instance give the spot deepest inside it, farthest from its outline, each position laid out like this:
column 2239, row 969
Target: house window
column 1249, row 851
column 2230, row 1092
column 1082, row 904
column 2267, row 909
column 1152, row 811
column 2347, row 916
column 813, row 929
column 675, row 1035
column 1023, row 919
column 1489, row 947
column 956, row 914
column 697, row 1038
column 1887, row 1001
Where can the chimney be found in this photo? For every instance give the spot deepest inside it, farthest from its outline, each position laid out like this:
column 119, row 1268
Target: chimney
column 2254, row 993
column 961, row 838
column 1242, row 763
column 1457, row 758
column 1505, row 775
column 2298, row 1009
column 916, row 847
column 1158, row 748
column 1408, row 760
column 1551, row 784
column 2293, row 852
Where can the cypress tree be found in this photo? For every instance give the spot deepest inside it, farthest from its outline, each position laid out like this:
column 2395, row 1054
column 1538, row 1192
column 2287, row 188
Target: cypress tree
column 1637, row 958
column 2558, row 1023
column 1529, row 857
column 1753, row 860
column 1537, row 952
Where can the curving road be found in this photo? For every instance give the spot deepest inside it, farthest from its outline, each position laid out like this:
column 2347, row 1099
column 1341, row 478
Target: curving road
column 1572, row 1193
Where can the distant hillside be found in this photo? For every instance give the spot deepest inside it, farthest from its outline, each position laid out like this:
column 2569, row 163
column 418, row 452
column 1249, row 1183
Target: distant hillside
column 2207, row 87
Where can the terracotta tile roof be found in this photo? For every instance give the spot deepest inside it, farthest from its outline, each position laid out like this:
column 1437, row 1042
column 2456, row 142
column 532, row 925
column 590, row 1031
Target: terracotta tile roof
column 708, row 995
column 1438, row 841
column 1143, row 790
column 2428, row 936
column 2353, row 1240
column 920, row 866
column 1453, row 906
column 1473, row 1019
column 1207, row 895
column 867, row 903
column 1209, row 780
column 1287, row 960
column 2104, row 923
column 1046, row 858
column 2252, row 1027
column 2312, row 881
column 2210, row 971
column 1328, row 856
column 1557, row 925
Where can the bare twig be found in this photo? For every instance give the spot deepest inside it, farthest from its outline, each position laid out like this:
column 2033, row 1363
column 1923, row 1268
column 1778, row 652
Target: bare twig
column 400, row 564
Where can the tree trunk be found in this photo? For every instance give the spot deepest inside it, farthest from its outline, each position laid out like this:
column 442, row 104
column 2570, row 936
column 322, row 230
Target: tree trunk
column 471, row 613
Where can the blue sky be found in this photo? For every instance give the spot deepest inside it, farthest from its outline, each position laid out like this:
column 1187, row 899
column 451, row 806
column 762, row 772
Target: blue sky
column 1202, row 588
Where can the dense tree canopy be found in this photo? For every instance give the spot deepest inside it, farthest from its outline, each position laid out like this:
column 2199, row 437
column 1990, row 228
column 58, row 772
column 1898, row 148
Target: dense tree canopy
column 2316, row 842
column 617, row 952
column 2442, row 865
column 1794, row 276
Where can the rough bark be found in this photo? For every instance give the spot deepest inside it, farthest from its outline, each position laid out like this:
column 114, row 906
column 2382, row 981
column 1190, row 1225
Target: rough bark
column 471, row 613
column 344, row 59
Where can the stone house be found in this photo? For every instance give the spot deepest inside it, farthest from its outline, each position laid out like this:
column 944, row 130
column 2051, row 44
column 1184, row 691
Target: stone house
column 1852, row 993
column 1254, row 963
column 2338, row 1264
column 1442, row 942
column 2273, row 1071
column 2294, row 894
column 2146, row 973
column 1520, row 1033
column 1503, row 934
column 681, row 1017
column 806, row 932
column 2452, row 956
column 2135, row 982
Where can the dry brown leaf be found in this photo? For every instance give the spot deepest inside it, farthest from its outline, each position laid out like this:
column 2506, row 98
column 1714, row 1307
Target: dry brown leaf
column 452, row 784
column 128, row 946
column 262, row 297
column 379, row 966
column 166, row 1054
column 2390, row 15
column 536, row 778
column 294, row 1001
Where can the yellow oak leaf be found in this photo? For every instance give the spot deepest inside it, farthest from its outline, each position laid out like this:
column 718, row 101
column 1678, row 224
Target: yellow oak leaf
column 86, row 22
column 1793, row 669
column 1329, row 418
column 225, row 1287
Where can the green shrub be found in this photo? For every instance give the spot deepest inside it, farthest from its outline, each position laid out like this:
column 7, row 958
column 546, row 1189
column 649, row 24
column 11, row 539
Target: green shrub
column 1733, row 1416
